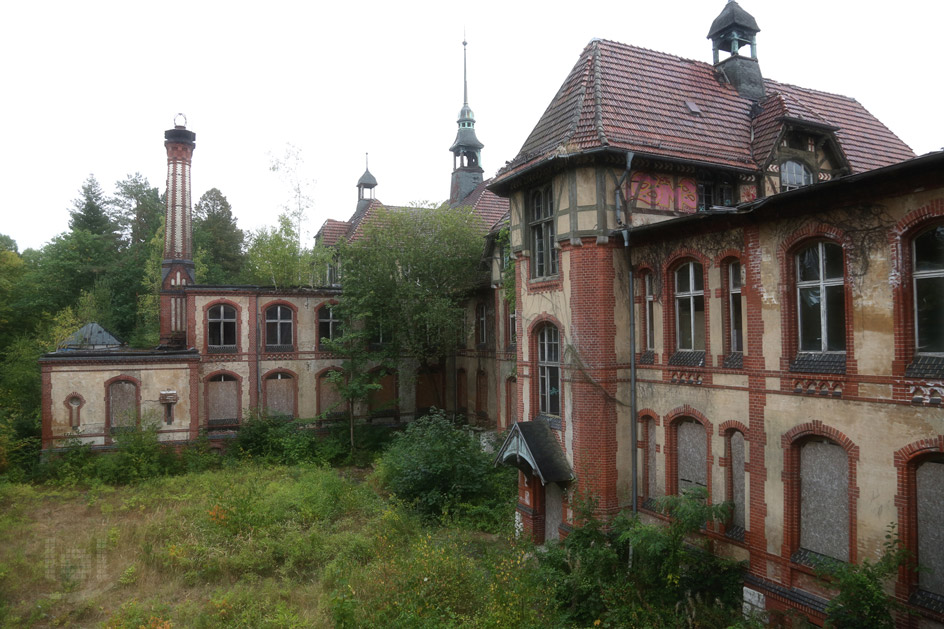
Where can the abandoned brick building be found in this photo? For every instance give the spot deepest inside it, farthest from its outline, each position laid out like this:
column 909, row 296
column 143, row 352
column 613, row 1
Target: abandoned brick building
column 729, row 282
column 721, row 281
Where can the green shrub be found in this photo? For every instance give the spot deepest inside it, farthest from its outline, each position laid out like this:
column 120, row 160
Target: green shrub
column 862, row 600
column 290, row 442
column 441, row 471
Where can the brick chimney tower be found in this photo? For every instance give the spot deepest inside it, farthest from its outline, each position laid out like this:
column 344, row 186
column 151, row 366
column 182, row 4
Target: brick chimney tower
column 177, row 268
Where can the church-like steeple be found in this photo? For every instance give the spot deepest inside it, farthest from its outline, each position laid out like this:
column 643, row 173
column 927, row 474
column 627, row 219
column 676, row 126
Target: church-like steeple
column 733, row 29
column 466, row 150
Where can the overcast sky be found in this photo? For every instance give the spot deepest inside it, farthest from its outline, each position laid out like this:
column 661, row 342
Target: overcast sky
column 90, row 87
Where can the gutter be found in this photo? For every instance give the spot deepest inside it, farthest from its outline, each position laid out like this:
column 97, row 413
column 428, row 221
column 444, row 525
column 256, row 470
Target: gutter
column 633, row 423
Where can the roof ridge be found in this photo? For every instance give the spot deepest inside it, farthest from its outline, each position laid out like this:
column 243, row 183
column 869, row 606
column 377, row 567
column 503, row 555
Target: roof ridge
column 598, row 95
column 810, row 89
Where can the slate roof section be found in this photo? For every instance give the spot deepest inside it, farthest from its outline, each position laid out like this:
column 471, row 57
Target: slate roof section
column 628, row 98
column 91, row 336
column 732, row 14
column 534, row 444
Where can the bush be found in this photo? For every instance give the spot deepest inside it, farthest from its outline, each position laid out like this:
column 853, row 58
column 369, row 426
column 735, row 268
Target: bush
column 862, row 600
column 672, row 580
column 441, row 471
column 290, row 442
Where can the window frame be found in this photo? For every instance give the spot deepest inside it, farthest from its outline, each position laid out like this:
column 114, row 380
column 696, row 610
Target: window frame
column 222, row 376
column 280, row 374
column 481, row 325
column 691, row 295
column 916, row 276
column 333, row 323
column 649, row 326
column 541, row 216
column 796, row 179
column 549, row 370
column 223, row 322
column 733, row 289
column 822, row 283
column 280, row 345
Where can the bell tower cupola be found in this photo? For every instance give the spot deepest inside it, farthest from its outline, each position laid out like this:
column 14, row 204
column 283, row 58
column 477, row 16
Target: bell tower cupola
column 466, row 150
column 365, row 186
column 731, row 31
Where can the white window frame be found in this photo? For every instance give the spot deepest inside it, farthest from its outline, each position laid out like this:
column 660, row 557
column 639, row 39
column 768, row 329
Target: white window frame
column 690, row 295
column 822, row 284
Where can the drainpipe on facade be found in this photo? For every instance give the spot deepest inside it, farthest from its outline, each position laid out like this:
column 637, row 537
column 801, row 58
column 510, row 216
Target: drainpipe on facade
column 633, row 436
column 258, row 319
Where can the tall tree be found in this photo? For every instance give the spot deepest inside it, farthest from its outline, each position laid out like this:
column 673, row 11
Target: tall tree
column 90, row 211
column 276, row 256
column 410, row 275
column 216, row 234
column 137, row 209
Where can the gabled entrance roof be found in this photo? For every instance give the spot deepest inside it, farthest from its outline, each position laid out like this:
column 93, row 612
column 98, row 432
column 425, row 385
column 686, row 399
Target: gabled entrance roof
column 532, row 444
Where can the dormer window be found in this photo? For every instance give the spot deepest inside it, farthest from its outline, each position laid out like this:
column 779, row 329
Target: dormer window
column 712, row 194
column 793, row 175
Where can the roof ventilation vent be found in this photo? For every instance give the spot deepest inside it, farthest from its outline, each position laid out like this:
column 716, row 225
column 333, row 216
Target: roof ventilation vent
column 693, row 107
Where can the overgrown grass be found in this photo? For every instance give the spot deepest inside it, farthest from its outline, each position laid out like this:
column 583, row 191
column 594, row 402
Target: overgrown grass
column 250, row 546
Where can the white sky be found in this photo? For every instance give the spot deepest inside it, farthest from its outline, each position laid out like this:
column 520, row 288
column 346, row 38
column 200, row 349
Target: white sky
column 90, row 87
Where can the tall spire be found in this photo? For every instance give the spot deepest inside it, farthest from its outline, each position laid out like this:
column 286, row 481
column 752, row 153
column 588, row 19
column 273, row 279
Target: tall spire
column 465, row 74
column 466, row 150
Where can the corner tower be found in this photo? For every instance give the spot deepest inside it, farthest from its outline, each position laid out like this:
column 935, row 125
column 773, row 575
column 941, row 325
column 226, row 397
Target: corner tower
column 177, row 268
column 466, row 150
column 733, row 29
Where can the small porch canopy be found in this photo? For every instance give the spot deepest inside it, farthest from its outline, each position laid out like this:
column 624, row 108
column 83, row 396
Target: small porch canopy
column 533, row 448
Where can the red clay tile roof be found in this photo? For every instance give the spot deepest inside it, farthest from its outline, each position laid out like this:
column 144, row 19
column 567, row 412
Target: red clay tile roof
column 628, row 98
column 332, row 231
column 867, row 143
column 486, row 204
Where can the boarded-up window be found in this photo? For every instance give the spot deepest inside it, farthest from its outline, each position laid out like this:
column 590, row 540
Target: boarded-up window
column 222, row 393
column 429, row 390
column 382, row 402
column 554, row 511
column 930, row 495
column 462, row 392
column 481, row 394
column 122, row 405
column 736, row 478
column 330, row 404
column 511, row 401
column 824, row 499
column 280, row 395
column 692, row 455
column 652, row 476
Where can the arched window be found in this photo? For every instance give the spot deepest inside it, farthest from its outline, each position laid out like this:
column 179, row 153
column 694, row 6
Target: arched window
column 928, row 278
column 691, row 455
column 690, row 308
column 821, row 298
column 329, row 326
column 793, row 175
column 221, row 329
column 222, row 400
column 280, row 395
column 382, row 402
column 511, row 401
column 823, row 500
column 123, row 410
column 649, row 315
column 279, row 329
column 929, row 484
column 735, row 484
column 735, row 312
column 549, row 380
